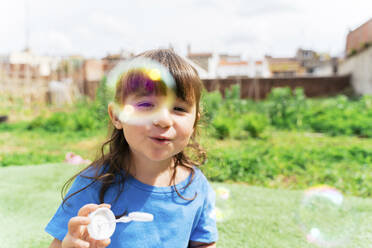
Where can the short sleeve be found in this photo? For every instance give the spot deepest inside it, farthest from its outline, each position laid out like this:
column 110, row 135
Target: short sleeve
column 58, row 225
column 206, row 228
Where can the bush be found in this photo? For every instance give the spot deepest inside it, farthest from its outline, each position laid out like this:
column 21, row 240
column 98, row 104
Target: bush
column 222, row 128
column 83, row 117
column 103, row 97
column 210, row 104
column 281, row 164
column 58, row 122
column 287, row 110
column 340, row 116
column 254, row 124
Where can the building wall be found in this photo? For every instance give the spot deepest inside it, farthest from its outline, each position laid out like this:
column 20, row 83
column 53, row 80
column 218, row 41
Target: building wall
column 324, row 70
column 285, row 67
column 261, row 87
column 360, row 66
column 93, row 73
column 357, row 38
column 202, row 61
column 224, row 71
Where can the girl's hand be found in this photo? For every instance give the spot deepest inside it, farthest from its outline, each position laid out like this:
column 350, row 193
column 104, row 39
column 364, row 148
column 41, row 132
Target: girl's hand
column 77, row 235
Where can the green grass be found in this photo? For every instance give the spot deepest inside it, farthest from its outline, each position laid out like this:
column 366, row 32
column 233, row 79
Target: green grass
column 280, row 159
column 254, row 216
column 19, row 147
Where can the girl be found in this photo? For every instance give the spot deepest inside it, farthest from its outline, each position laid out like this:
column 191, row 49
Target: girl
column 146, row 169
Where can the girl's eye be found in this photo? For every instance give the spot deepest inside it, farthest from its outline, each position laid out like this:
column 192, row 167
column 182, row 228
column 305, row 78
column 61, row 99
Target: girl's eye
column 145, row 105
column 180, row 109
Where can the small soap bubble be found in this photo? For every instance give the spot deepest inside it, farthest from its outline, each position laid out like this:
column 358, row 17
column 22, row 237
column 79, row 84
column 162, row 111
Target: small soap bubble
column 217, row 214
column 325, row 218
column 143, row 91
column 223, row 210
column 223, row 193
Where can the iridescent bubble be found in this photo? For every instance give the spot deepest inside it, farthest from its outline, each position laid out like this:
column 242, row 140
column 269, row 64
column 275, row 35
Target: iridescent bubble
column 143, row 90
column 217, row 214
column 325, row 218
column 223, row 193
column 223, row 210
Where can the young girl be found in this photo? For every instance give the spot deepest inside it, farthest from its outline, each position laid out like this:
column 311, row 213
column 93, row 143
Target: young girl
column 146, row 169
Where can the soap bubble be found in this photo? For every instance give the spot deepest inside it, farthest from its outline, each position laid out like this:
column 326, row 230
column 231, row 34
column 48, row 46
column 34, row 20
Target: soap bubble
column 217, row 214
column 147, row 88
column 223, row 210
column 325, row 218
column 223, row 193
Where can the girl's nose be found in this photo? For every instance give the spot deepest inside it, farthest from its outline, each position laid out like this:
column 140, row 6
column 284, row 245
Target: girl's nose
column 163, row 119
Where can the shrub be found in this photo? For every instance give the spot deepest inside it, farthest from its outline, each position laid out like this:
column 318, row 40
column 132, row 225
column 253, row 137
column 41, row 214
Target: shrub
column 287, row 110
column 58, row 122
column 222, row 127
column 83, row 117
column 255, row 124
column 210, row 104
column 281, row 164
column 103, row 97
column 340, row 116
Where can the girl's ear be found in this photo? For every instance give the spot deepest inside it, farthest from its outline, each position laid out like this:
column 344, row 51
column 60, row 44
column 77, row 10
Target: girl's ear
column 114, row 119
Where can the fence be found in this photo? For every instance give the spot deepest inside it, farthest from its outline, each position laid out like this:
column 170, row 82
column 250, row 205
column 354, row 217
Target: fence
column 259, row 88
column 23, row 81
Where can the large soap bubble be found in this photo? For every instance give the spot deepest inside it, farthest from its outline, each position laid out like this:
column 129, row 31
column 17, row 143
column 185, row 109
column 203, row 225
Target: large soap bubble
column 144, row 90
column 325, row 218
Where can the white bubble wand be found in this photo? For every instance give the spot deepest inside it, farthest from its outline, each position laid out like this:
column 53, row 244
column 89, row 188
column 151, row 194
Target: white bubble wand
column 103, row 222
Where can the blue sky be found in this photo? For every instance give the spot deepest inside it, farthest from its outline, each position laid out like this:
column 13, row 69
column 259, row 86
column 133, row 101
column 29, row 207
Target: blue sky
column 248, row 27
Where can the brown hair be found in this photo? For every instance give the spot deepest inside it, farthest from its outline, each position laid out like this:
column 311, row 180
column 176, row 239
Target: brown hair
column 115, row 163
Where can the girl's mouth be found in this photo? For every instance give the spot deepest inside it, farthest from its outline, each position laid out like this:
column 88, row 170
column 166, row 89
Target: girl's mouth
column 160, row 140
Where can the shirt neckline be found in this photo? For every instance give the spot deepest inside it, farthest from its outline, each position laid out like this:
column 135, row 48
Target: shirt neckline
column 166, row 189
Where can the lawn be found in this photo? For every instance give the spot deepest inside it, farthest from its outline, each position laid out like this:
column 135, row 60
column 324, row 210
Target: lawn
column 280, row 159
column 254, row 216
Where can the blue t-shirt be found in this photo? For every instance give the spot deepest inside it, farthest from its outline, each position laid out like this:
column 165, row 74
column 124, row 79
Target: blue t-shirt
column 176, row 221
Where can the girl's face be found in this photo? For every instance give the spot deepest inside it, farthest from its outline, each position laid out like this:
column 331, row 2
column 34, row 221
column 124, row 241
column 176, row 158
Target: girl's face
column 167, row 134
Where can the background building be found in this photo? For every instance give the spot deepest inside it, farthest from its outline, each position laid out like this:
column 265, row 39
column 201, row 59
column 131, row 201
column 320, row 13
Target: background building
column 359, row 38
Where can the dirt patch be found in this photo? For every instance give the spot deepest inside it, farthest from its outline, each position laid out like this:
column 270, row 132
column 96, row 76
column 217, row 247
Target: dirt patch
column 89, row 144
column 6, row 149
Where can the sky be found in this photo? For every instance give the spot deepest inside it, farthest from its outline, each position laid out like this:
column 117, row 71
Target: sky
column 251, row 28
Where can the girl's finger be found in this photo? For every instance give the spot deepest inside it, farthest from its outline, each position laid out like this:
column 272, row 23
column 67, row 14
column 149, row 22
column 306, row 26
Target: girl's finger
column 103, row 243
column 80, row 243
column 75, row 223
column 88, row 208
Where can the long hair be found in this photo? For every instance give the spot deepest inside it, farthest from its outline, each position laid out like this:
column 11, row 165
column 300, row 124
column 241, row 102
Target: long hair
column 112, row 167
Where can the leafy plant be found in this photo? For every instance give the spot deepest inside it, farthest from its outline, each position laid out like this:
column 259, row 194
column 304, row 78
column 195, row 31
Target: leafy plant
column 210, row 104
column 222, row 127
column 255, row 124
column 286, row 110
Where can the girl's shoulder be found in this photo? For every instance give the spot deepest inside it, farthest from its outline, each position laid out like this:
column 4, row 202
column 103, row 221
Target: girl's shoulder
column 94, row 171
column 199, row 178
column 90, row 175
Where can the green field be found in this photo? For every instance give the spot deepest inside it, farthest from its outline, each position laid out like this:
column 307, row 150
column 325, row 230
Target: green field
column 259, row 217
column 280, row 159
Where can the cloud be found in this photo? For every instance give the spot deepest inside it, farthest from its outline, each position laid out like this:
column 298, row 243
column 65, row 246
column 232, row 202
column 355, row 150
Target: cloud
column 241, row 38
column 53, row 42
column 265, row 26
column 265, row 7
column 110, row 23
column 59, row 40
